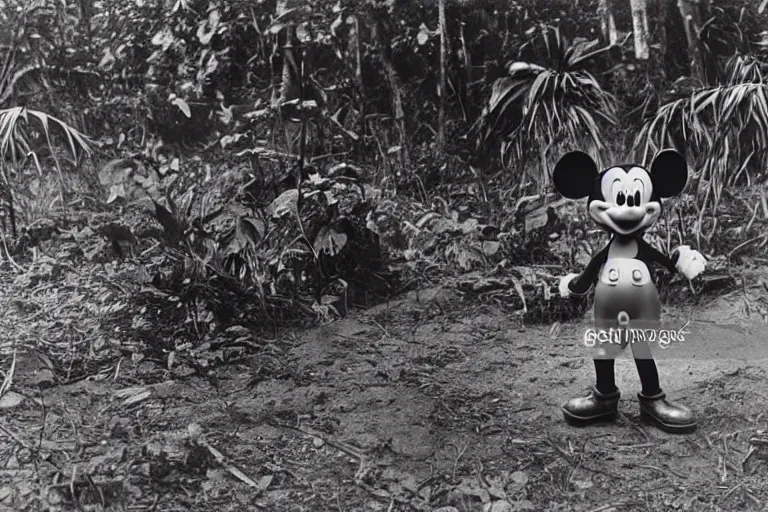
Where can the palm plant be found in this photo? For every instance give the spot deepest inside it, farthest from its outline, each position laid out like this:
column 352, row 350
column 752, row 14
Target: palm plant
column 17, row 143
column 728, row 30
column 539, row 106
column 724, row 128
column 23, row 59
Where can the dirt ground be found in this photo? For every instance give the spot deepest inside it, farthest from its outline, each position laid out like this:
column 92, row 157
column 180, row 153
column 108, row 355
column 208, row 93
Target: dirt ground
column 431, row 402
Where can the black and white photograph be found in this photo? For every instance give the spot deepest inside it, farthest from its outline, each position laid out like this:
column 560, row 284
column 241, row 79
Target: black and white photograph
column 384, row 255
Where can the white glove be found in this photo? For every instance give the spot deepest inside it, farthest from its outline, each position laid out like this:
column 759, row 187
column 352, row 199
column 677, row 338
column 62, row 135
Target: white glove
column 690, row 262
column 563, row 286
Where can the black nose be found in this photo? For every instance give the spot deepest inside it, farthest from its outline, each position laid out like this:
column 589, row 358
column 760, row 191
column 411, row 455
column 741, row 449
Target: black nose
column 630, row 201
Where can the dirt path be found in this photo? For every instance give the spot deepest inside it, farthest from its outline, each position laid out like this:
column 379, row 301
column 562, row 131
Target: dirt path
column 423, row 403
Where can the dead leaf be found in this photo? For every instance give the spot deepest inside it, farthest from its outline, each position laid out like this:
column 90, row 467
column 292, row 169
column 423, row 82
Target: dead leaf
column 554, row 330
column 522, row 505
column 496, row 488
column 472, row 487
column 501, row 506
column 134, row 395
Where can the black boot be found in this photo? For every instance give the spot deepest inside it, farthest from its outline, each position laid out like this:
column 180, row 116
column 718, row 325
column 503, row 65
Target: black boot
column 596, row 406
column 668, row 416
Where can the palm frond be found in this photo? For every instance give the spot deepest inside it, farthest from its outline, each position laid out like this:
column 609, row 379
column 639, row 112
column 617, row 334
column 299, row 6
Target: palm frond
column 13, row 120
column 725, row 128
column 536, row 107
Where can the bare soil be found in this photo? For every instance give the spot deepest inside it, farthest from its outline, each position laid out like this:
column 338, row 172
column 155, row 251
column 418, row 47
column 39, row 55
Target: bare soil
column 431, row 402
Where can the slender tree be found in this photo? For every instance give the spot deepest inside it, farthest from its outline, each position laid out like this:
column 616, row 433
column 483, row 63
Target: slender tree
column 607, row 21
column 640, row 28
column 691, row 13
column 443, row 81
column 385, row 53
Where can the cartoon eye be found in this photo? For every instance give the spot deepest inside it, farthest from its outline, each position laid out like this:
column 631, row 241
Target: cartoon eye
column 620, row 198
column 639, row 191
column 631, row 199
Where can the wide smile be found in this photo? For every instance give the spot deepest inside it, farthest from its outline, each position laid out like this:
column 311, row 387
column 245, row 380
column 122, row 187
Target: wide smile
column 627, row 225
column 624, row 220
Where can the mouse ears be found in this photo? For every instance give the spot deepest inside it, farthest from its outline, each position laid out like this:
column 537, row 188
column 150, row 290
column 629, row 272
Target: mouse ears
column 574, row 175
column 669, row 173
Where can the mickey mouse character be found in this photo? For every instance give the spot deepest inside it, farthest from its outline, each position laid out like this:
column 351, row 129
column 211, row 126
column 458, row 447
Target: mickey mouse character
column 625, row 200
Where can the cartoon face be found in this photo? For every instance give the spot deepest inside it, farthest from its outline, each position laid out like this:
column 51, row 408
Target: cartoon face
column 624, row 199
column 626, row 206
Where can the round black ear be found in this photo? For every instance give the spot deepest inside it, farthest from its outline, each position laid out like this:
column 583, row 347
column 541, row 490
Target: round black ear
column 574, row 175
column 669, row 173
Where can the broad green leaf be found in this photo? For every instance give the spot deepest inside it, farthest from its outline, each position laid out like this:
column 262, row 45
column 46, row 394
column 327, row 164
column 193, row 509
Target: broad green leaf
column 490, row 247
column 336, row 24
column 107, row 60
column 285, row 203
column 182, row 106
column 164, row 38
column 329, row 240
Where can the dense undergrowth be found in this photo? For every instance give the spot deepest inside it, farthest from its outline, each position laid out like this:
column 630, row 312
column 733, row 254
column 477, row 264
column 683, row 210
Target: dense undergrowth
column 171, row 297
column 260, row 167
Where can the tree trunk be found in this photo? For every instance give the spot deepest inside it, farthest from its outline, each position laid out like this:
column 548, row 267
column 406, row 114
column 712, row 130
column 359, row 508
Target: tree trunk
column 466, row 59
column 662, row 28
column 640, row 28
column 689, row 10
column 607, row 22
column 394, row 85
column 443, row 85
column 360, row 84
column 289, row 83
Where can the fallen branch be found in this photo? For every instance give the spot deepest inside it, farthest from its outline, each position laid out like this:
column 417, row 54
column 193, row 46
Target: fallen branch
column 607, row 506
column 260, row 487
column 746, row 243
column 663, row 471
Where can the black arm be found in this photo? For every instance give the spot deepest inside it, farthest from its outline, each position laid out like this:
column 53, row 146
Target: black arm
column 649, row 253
column 582, row 284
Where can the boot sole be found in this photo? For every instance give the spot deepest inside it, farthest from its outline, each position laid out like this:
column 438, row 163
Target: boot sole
column 581, row 420
column 667, row 427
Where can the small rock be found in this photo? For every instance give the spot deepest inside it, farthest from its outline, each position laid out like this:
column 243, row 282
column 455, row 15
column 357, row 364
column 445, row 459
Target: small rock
column 501, row 506
column 410, row 484
column 45, row 379
column 11, row 400
column 317, row 442
column 518, row 479
column 582, row 485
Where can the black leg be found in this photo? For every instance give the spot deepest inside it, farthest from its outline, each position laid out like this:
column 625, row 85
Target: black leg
column 604, row 372
column 649, row 376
